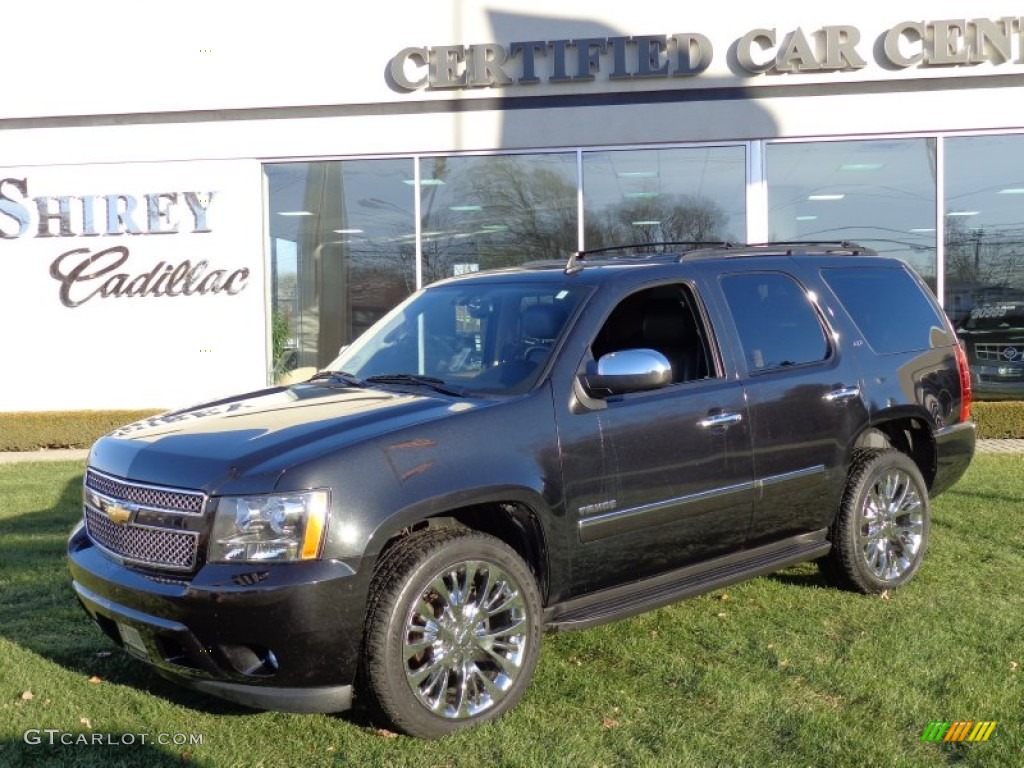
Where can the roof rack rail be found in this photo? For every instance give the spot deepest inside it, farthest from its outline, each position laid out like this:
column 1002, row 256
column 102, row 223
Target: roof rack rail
column 577, row 259
column 826, row 245
column 574, row 264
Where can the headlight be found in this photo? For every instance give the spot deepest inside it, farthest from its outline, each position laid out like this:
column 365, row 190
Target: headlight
column 274, row 527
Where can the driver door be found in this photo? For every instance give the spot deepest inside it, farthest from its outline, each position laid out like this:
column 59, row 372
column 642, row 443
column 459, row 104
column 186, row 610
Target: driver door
column 660, row 479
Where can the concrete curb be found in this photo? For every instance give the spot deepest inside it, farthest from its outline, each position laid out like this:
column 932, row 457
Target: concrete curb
column 58, row 454
column 1008, row 445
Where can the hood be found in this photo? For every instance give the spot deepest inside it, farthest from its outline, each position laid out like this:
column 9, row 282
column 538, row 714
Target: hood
column 250, row 440
column 992, row 334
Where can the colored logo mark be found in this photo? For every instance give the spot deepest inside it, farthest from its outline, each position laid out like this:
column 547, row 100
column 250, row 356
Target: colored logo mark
column 961, row 730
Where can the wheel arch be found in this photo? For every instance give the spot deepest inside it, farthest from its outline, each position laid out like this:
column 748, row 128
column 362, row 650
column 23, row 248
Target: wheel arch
column 511, row 517
column 908, row 433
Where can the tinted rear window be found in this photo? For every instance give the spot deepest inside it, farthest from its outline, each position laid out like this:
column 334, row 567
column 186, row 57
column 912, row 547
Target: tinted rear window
column 888, row 306
column 777, row 323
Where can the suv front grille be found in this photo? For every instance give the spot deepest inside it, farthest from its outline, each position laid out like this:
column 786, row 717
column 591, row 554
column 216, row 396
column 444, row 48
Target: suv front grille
column 155, row 532
column 139, row 544
column 188, row 502
column 997, row 352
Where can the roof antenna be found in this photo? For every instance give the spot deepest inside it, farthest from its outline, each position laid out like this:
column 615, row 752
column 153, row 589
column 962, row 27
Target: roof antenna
column 575, row 263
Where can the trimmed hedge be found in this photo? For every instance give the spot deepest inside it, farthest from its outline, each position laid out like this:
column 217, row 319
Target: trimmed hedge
column 22, row 431
column 79, row 429
column 999, row 419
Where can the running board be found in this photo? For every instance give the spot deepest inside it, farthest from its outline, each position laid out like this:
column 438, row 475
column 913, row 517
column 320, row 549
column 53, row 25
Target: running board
column 630, row 599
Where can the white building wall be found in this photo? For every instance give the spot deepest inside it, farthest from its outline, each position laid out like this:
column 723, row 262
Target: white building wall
column 192, row 98
column 196, row 55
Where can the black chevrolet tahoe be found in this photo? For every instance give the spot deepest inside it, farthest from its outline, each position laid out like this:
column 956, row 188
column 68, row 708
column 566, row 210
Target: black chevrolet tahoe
column 518, row 451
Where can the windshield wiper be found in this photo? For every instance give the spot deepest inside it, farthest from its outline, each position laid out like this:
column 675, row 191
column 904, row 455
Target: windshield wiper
column 436, row 384
column 341, row 377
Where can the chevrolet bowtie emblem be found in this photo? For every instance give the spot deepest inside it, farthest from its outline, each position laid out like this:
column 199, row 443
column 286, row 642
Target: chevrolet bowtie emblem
column 118, row 514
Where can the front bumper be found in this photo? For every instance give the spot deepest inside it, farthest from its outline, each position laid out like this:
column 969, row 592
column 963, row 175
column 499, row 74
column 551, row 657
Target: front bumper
column 272, row 636
column 997, row 382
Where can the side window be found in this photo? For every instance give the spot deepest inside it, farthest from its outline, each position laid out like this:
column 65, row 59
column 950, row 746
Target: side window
column 666, row 319
column 889, row 307
column 777, row 324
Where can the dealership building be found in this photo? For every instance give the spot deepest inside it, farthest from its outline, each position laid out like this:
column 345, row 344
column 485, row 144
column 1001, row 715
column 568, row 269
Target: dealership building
column 189, row 209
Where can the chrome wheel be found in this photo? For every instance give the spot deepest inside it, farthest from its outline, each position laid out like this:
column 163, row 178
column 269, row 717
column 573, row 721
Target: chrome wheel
column 453, row 630
column 466, row 639
column 880, row 533
column 891, row 530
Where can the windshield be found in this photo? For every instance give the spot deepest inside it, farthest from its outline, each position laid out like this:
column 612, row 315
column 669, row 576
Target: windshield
column 472, row 336
column 996, row 317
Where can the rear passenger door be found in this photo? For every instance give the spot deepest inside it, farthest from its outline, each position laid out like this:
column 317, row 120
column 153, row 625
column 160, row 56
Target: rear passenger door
column 803, row 396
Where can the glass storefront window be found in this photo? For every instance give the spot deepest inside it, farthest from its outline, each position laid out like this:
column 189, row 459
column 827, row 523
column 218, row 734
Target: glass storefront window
column 344, row 248
column 694, row 194
column 484, row 212
column 984, row 255
column 878, row 193
column 343, row 252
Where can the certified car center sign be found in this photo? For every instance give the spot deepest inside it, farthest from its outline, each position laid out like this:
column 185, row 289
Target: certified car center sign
column 107, row 269
column 913, row 44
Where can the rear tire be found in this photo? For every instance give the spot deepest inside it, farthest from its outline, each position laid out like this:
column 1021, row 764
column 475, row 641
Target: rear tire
column 881, row 532
column 453, row 631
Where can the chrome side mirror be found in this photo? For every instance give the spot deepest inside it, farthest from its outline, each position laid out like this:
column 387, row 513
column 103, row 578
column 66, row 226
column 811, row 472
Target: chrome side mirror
column 628, row 370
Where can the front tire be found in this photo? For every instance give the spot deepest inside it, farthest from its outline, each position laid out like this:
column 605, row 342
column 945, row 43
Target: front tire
column 453, row 631
column 881, row 532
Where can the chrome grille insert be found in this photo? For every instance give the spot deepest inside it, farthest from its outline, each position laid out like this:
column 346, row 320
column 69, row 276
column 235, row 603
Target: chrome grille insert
column 998, row 352
column 170, row 544
column 157, row 547
column 188, row 502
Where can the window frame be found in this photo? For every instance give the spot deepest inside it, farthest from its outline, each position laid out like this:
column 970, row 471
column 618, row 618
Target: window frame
column 712, row 347
column 827, row 332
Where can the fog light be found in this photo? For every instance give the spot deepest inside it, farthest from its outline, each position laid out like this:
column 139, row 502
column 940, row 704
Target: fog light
column 252, row 660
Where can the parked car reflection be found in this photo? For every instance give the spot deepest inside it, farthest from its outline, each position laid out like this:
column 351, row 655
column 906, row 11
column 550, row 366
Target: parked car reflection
column 993, row 335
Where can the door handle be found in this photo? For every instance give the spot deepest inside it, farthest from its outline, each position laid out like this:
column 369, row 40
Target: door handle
column 720, row 420
column 843, row 394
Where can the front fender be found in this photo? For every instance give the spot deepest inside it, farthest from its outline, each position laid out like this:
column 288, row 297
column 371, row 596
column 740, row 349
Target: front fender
column 507, row 451
column 446, row 503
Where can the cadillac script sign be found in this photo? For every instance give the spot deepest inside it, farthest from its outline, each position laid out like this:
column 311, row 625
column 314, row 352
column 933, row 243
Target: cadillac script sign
column 107, row 271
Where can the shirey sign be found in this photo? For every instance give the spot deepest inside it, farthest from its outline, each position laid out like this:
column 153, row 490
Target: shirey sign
column 131, row 285
column 106, row 272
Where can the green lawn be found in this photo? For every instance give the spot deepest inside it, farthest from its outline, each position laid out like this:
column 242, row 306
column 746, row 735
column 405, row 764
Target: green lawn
column 781, row 671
